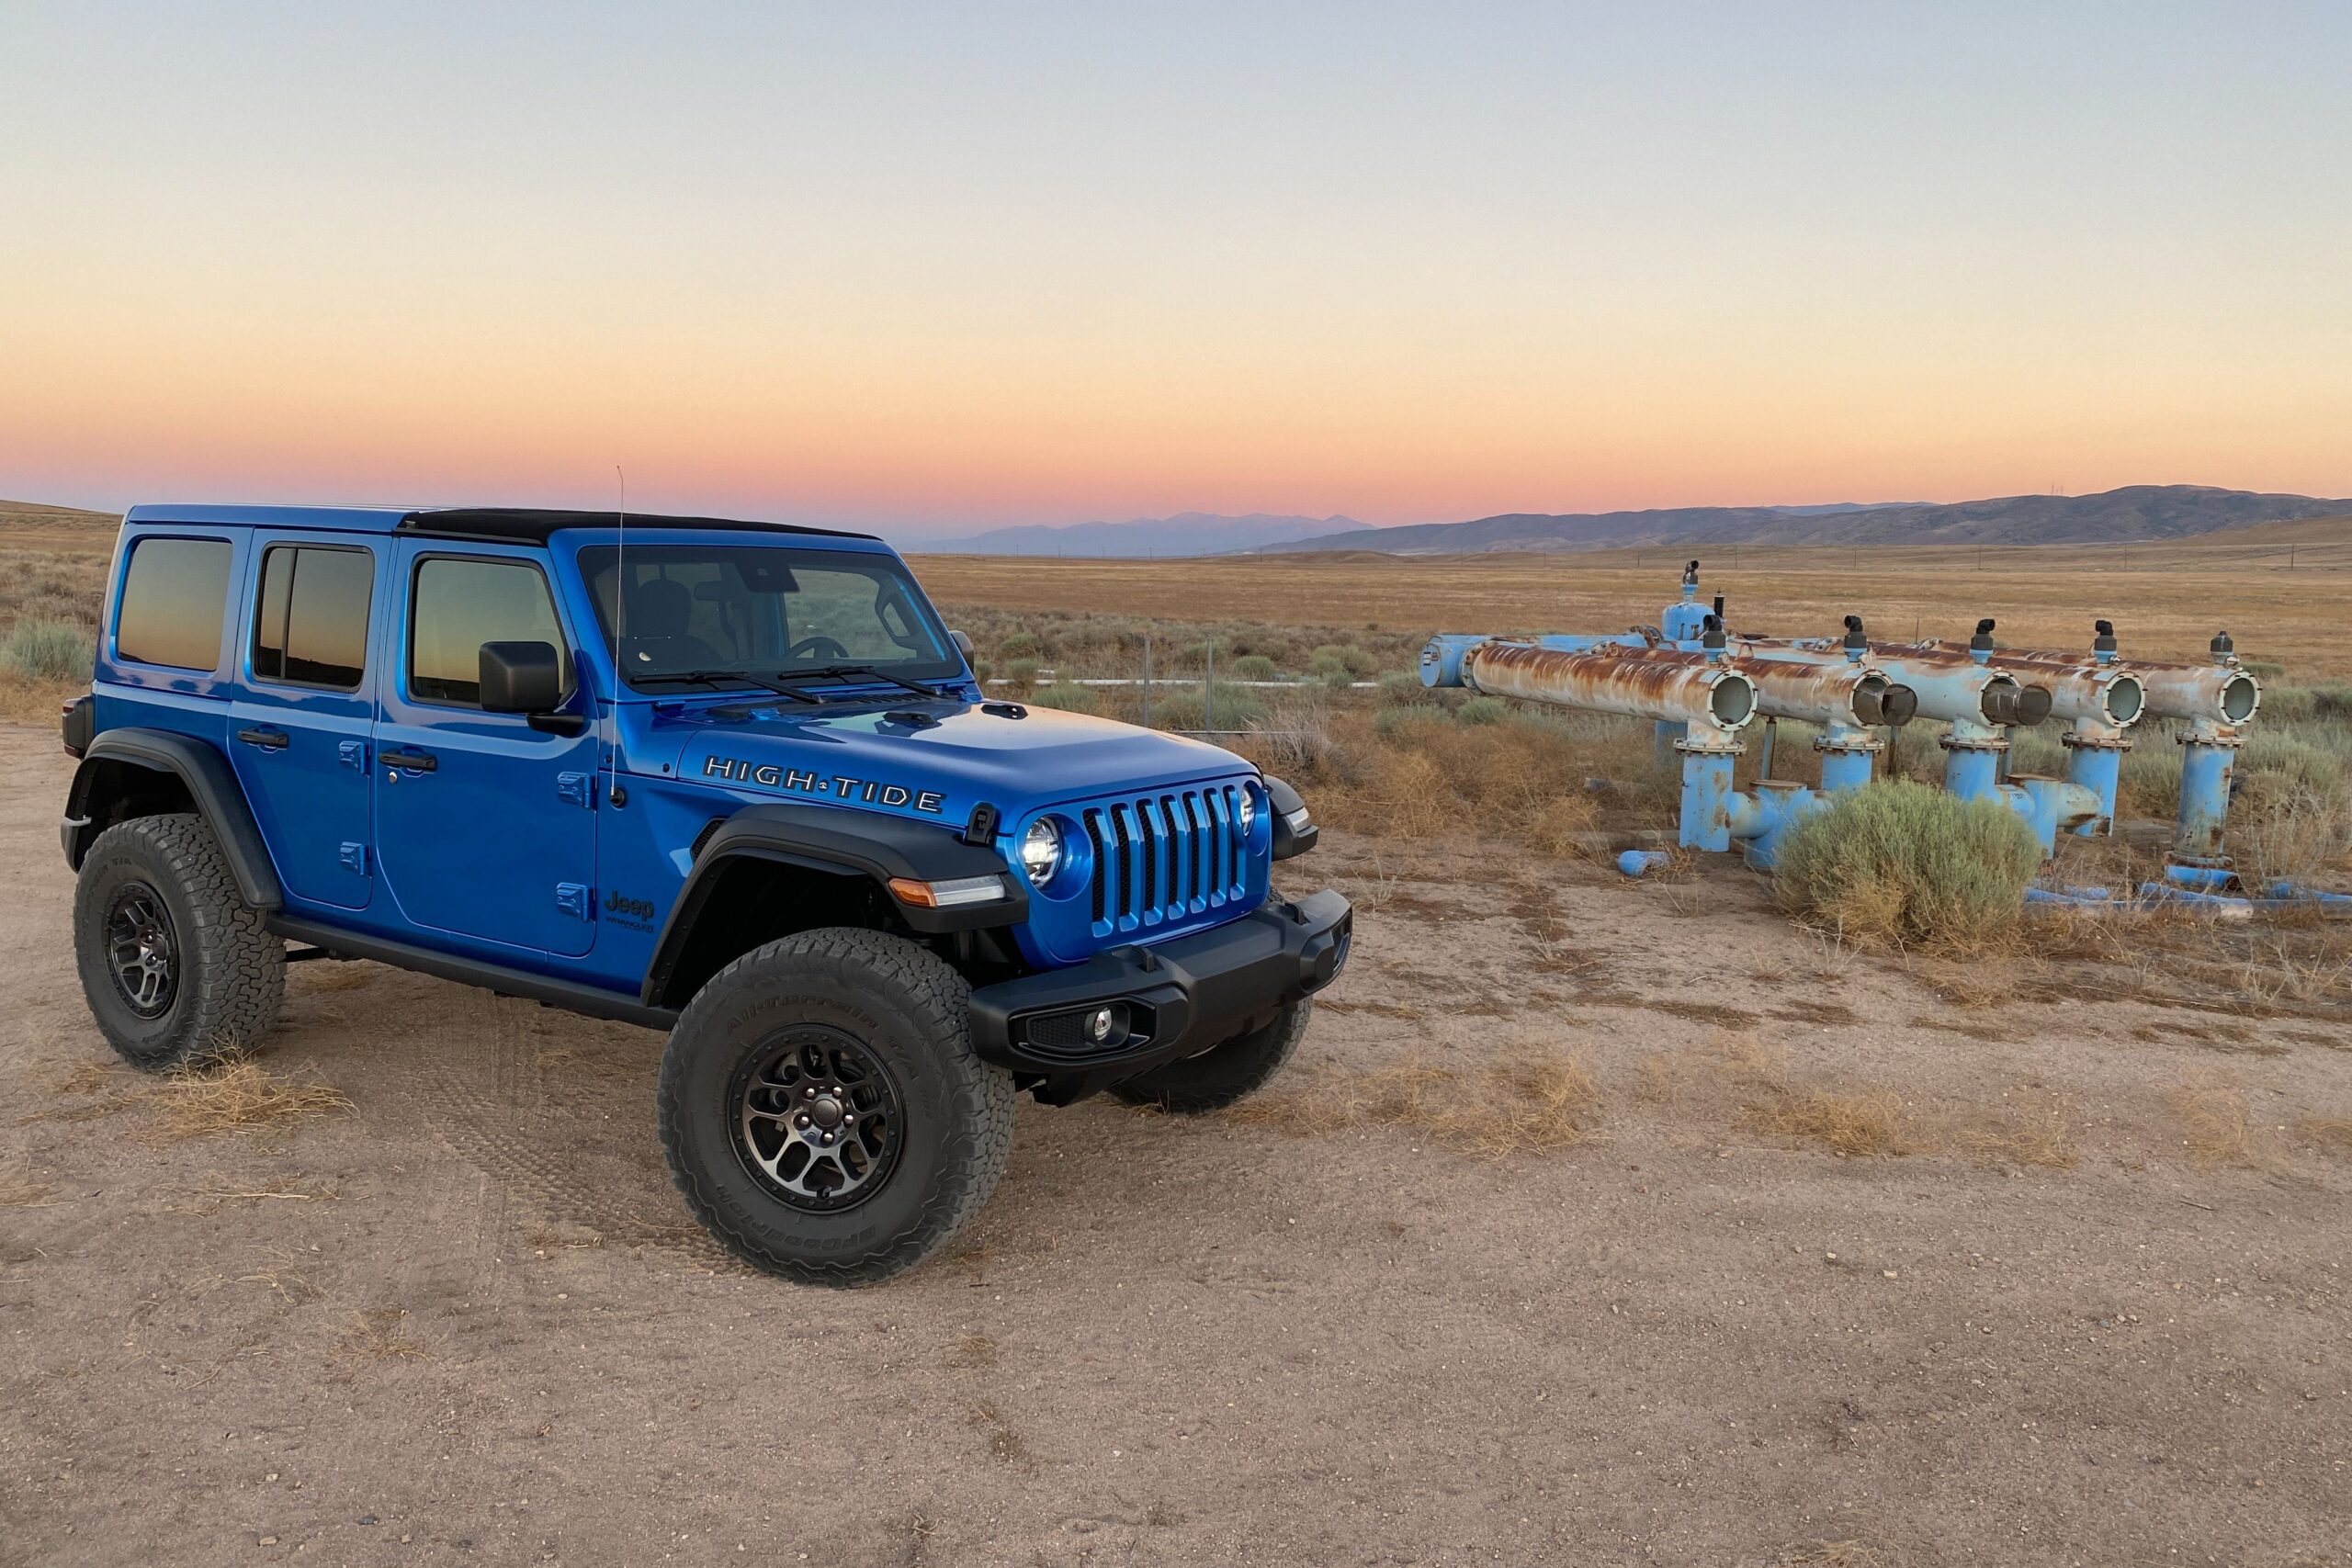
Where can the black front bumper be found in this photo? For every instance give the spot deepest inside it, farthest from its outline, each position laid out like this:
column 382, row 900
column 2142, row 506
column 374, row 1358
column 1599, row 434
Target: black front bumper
column 1181, row 997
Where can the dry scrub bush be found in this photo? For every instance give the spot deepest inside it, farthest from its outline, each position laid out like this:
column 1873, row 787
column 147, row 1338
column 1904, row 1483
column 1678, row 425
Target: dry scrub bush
column 1900, row 865
column 1850, row 1123
column 1527, row 1102
column 2039, row 1138
column 1417, row 772
column 2328, row 1134
column 2216, row 1128
column 234, row 1095
column 41, row 649
column 1865, row 1121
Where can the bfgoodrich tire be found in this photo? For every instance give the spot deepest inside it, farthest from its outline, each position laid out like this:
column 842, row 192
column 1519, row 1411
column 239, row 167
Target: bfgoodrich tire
column 1223, row 1074
column 822, row 1109
column 175, row 966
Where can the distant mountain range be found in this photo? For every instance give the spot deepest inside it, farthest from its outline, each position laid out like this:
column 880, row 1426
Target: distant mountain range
column 2136, row 514
column 2116, row 516
column 1186, row 534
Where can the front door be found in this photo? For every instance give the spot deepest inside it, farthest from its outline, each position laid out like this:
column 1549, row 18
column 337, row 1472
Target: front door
column 487, row 827
column 299, row 726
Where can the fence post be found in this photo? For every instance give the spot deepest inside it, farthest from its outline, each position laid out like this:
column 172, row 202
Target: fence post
column 1147, row 680
column 1208, row 688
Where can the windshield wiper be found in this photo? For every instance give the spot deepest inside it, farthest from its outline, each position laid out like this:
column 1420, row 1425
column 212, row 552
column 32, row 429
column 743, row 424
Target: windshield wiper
column 862, row 673
column 713, row 678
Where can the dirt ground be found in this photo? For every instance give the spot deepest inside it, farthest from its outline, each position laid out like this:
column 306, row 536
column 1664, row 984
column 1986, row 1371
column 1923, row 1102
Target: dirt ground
column 2096, row 1313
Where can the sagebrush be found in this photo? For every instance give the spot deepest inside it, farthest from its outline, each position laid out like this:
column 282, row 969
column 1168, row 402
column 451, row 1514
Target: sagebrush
column 1902, row 864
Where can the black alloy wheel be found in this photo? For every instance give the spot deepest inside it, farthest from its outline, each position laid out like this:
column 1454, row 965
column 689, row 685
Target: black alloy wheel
column 818, row 1119
column 142, row 949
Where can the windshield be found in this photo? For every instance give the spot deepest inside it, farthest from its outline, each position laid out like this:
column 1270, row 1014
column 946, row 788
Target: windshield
column 763, row 610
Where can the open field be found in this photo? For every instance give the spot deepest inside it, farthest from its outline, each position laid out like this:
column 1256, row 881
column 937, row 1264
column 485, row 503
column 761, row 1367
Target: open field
column 2166, row 600
column 1598, row 1221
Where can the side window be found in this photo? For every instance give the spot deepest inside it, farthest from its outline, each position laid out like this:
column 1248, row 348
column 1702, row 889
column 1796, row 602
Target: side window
column 462, row 602
column 311, row 624
column 174, row 593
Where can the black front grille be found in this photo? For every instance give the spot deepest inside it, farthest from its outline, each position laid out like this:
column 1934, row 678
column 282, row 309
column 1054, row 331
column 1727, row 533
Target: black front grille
column 1159, row 858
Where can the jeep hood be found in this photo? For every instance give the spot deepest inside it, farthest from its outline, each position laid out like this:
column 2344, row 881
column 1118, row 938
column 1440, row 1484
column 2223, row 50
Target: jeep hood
column 966, row 754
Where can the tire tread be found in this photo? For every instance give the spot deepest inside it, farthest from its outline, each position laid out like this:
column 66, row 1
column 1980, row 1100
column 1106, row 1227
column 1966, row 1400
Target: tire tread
column 982, row 1094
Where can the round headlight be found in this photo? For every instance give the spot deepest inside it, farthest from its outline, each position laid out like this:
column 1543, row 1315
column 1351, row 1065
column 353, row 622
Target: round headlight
column 1041, row 851
column 1249, row 809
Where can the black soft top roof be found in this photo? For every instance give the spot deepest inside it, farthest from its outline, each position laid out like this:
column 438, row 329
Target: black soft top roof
column 535, row 523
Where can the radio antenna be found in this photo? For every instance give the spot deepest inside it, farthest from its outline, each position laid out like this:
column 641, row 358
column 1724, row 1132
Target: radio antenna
column 620, row 614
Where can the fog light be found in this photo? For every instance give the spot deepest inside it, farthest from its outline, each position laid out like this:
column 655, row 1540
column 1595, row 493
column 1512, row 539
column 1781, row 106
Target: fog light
column 1098, row 1025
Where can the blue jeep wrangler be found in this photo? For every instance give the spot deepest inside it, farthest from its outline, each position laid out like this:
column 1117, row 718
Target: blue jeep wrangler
column 730, row 780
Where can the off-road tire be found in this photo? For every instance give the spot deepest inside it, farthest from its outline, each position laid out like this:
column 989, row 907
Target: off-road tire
column 1218, row 1077
column 909, row 1011
column 230, row 970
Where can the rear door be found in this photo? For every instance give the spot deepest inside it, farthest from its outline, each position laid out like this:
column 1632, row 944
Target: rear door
column 488, row 827
column 300, row 727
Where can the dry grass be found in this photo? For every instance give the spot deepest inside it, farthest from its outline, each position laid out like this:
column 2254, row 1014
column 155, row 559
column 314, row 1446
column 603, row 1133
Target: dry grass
column 1830, row 1554
column 2039, row 1135
column 2331, row 1135
column 1524, row 1102
column 284, row 1281
column 2216, row 1127
column 1851, row 1126
column 1850, row 1123
column 85, row 1077
column 238, row 1095
column 23, row 1194
column 376, row 1335
column 972, row 1350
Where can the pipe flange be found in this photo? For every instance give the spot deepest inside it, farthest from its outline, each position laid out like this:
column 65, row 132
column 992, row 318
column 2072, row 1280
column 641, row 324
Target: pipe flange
column 2221, row 739
column 2074, row 739
column 1859, row 746
column 1711, row 746
column 1973, row 743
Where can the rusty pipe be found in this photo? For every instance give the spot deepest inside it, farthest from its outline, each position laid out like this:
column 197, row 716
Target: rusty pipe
column 1838, row 696
column 1646, row 682
column 2221, row 694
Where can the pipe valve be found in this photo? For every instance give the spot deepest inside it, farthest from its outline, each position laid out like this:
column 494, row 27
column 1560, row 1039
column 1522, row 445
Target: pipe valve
column 2103, row 637
column 2224, row 650
column 1878, row 701
column 2010, row 703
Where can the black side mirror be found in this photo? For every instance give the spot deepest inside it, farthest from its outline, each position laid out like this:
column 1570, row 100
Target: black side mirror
column 963, row 641
column 521, row 677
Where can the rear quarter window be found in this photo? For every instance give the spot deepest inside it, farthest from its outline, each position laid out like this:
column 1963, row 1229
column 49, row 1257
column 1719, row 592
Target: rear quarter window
column 175, row 597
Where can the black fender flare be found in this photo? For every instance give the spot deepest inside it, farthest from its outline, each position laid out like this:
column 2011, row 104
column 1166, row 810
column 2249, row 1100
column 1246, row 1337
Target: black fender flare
column 211, row 784
column 1286, row 803
column 844, row 842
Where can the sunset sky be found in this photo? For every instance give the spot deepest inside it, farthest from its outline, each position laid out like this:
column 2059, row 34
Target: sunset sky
column 931, row 268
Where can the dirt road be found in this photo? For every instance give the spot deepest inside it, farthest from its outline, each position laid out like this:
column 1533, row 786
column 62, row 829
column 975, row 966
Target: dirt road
column 468, row 1321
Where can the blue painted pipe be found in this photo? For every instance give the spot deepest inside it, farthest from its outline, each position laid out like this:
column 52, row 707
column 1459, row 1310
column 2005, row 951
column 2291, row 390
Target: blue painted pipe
column 1707, row 796
column 1761, row 821
column 1843, row 766
column 2098, row 767
column 1640, row 862
column 1972, row 771
column 2206, row 757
